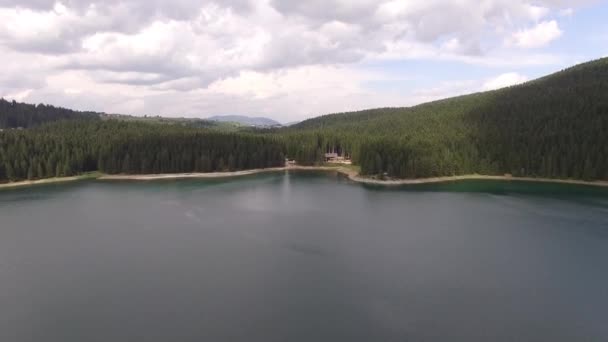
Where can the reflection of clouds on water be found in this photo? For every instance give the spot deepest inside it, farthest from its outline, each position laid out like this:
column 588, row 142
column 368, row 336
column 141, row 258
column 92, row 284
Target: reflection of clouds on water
column 172, row 202
column 191, row 215
column 257, row 234
column 258, row 200
column 251, row 194
column 286, row 188
column 390, row 265
column 217, row 224
column 280, row 199
column 306, row 249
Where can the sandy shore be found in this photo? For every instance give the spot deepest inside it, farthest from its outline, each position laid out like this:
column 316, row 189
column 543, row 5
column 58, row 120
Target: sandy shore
column 473, row 177
column 39, row 182
column 85, row 176
column 351, row 173
column 219, row 174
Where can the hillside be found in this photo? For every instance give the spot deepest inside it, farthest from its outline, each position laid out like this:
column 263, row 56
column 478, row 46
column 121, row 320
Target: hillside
column 186, row 122
column 556, row 126
column 23, row 115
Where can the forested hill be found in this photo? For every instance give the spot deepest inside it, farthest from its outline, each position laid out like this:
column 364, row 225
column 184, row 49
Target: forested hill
column 587, row 80
column 14, row 114
column 556, row 126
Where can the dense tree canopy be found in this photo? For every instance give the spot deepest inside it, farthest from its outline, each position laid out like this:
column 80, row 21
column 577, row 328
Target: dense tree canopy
column 73, row 147
column 23, row 115
column 556, row 126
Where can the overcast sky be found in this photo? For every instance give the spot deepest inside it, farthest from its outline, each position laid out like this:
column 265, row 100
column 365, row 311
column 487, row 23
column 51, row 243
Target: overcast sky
column 284, row 59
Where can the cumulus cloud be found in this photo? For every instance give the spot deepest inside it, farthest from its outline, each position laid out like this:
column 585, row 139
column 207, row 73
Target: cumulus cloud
column 538, row 36
column 504, row 80
column 462, row 87
column 444, row 90
column 259, row 54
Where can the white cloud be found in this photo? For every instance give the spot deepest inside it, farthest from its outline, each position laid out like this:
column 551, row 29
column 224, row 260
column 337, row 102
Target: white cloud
column 268, row 57
column 463, row 87
column 19, row 96
column 504, row 80
column 444, row 90
column 537, row 36
column 537, row 12
column 314, row 80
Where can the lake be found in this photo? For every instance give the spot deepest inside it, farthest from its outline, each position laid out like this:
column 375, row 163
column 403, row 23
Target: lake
column 303, row 257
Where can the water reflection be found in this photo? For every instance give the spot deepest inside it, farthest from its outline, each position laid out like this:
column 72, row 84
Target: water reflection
column 300, row 257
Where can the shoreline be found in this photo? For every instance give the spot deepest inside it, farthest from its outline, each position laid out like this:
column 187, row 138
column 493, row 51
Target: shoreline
column 448, row 179
column 352, row 175
column 54, row 180
column 27, row 183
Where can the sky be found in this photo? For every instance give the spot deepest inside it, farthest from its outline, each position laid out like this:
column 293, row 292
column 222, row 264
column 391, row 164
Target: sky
column 283, row 59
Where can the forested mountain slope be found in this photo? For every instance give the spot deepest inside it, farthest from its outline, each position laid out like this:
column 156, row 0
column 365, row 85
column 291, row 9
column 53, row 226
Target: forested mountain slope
column 556, row 126
column 23, row 115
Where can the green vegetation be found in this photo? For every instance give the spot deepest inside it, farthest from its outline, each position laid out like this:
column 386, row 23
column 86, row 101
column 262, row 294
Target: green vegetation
column 188, row 122
column 554, row 127
column 73, row 147
column 21, row 115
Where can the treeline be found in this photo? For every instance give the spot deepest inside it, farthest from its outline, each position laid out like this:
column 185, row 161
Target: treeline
column 22, row 115
column 554, row 127
column 73, row 147
column 174, row 151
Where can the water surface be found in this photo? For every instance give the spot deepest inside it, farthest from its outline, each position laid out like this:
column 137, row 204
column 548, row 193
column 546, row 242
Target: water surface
column 303, row 257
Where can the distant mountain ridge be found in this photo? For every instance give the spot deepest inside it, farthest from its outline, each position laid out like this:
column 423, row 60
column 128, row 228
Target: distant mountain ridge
column 246, row 120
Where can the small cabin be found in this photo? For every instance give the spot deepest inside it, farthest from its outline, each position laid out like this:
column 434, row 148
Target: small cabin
column 335, row 158
column 331, row 157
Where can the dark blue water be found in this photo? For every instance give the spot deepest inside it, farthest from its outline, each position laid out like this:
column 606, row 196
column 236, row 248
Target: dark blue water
column 303, row 257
